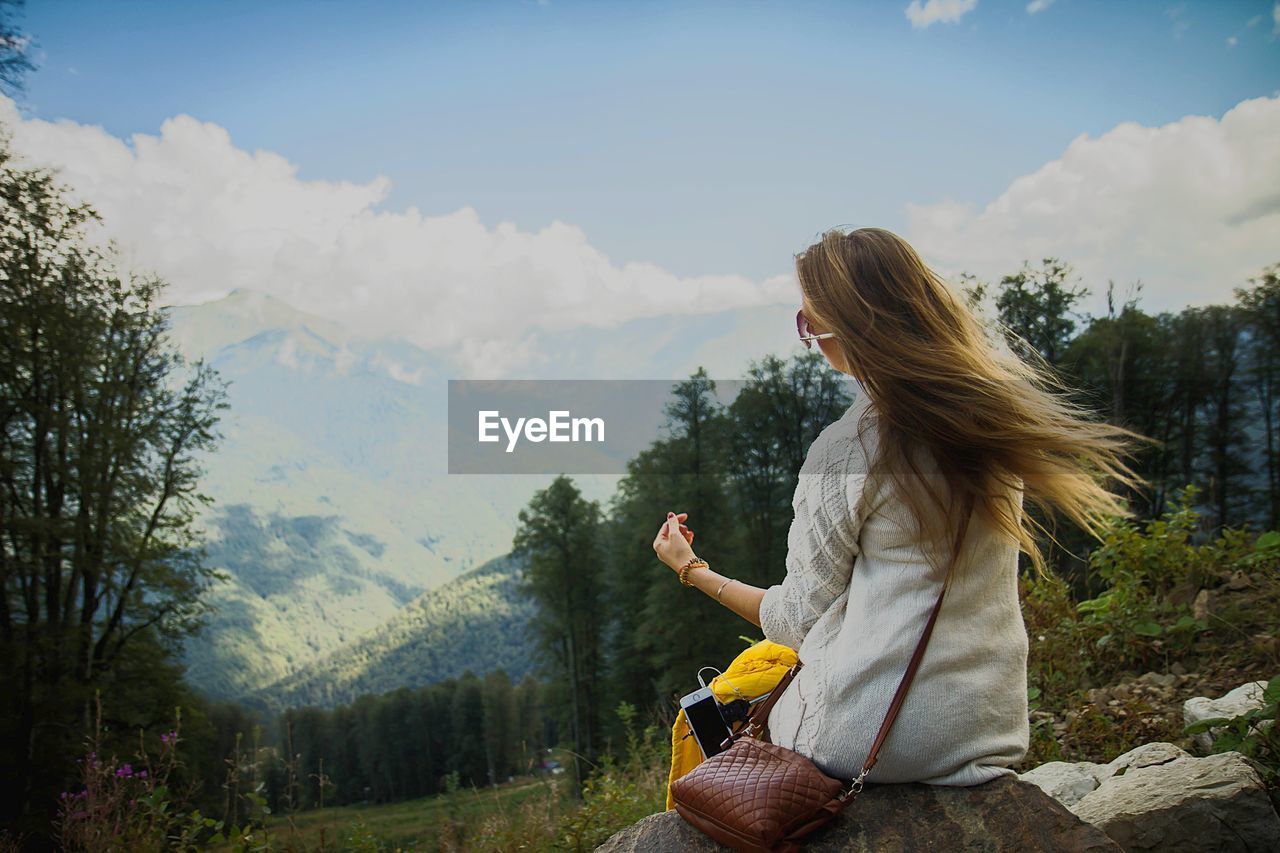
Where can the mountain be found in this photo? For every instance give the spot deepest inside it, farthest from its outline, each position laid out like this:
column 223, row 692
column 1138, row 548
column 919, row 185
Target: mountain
column 332, row 506
column 333, row 509
column 478, row 621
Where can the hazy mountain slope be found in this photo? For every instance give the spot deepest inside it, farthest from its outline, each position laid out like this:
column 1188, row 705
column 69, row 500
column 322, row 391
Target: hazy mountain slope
column 477, row 621
column 333, row 507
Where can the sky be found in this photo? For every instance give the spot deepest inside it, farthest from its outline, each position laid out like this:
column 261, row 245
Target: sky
column 554, row 164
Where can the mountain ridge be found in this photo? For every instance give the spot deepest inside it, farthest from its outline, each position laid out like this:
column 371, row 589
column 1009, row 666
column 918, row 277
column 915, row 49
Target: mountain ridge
column 478, row 621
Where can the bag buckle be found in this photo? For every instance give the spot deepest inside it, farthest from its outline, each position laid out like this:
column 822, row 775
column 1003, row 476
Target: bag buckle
column 855, row 787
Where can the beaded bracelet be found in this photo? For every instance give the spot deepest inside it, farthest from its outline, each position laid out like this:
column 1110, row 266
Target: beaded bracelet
column 694, row 563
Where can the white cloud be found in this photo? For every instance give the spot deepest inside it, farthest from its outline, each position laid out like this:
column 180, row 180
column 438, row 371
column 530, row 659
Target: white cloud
column 935, row 11
column 208, row 217
column 398, row 371
column 1275, row 17
column 1232, row 41
column 1191, row 208
column 1038, row 6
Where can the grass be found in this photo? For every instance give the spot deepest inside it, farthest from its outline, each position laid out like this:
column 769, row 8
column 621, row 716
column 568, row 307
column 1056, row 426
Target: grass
column 471, row 819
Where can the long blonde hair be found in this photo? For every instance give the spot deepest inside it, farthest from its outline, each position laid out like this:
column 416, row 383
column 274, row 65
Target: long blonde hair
column 994, row 423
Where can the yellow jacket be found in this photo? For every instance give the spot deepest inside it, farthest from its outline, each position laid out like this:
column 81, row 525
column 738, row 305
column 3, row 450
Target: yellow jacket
column 752, row 673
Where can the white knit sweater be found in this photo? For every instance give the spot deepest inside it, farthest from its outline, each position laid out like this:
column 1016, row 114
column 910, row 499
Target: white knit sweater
column 854, row 602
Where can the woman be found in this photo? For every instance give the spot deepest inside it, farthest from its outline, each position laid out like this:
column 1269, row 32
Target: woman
column 945, row 425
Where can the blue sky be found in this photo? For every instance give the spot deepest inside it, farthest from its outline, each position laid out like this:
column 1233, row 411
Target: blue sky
column 705, row 137
column 407, row 168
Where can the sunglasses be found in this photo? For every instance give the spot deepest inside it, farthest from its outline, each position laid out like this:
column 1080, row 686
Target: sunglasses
column 807, row 335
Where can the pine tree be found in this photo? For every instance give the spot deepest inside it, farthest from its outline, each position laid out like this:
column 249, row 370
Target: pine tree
column 774, row 419
column 559, row 533
column 1261, row 304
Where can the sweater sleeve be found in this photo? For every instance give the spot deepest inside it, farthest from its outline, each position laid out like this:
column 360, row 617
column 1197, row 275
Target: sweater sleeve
column 822, row 541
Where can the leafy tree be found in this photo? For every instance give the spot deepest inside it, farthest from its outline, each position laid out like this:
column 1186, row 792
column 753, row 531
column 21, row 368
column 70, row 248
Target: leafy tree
column 1261, row 305
column 100, row 566
column 636, row 511
column 1035, row 308
column 468, row 731
column 778, row 413
column 500, row 723
column 559, row 532
column 1122, row 365
column 1225, row 422
column 530, row 736
column 974, row 291
column 1038, row 305
column 15, row 49
column 681, row 629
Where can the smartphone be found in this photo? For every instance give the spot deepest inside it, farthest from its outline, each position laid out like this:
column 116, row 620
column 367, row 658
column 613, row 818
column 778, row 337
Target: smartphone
column 703, row 713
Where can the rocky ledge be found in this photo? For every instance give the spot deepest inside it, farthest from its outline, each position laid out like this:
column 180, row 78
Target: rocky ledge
column 1003, row 814
column 1155, row 797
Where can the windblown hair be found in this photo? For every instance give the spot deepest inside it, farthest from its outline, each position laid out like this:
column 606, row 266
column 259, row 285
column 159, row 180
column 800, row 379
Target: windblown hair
column 994, row 423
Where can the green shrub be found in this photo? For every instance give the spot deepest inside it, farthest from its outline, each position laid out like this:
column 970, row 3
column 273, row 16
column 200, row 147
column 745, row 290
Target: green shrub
column 1136, row 622
column 1141, row 620
column 1133, row 621
column 617, row 794
column 133, row 806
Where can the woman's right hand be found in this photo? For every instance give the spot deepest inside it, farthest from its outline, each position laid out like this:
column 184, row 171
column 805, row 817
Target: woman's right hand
column 670, row 550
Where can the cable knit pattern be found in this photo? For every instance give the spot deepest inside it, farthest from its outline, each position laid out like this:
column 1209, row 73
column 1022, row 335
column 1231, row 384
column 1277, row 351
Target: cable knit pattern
column 854, row 602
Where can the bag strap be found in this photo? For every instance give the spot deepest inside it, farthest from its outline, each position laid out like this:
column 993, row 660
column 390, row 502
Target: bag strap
column 760, row 714
column 900, row 696
column 756, row 722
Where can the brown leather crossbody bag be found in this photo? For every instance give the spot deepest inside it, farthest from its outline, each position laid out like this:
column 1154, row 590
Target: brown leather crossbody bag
column 758, row 796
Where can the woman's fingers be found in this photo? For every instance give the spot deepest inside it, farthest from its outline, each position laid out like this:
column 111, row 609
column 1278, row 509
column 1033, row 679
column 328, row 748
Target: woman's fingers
column 672, row 526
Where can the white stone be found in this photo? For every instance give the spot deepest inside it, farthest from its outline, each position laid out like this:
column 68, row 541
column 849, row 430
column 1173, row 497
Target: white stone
column 1188, row 804
column 1147, row 755
column 1066, row 781
column 1243, row 699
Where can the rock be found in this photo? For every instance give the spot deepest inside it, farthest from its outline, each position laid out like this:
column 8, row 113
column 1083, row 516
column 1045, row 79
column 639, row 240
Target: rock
column 1244, row 698
column 1239, row 580
column 1003, row 814
column 1147, row 755
column 1067, row 781
column 1266, row 644
column 1200, row 607
column 1178, row 668
column 1187, row 804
